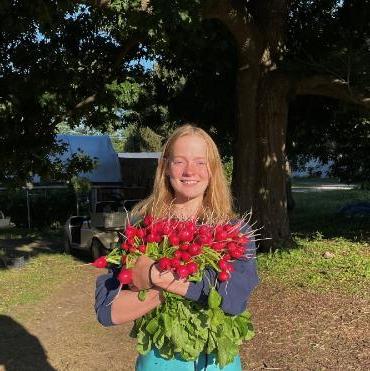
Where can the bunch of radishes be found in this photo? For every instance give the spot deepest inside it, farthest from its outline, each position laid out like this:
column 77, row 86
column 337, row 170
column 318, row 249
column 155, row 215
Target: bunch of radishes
column 184, row 247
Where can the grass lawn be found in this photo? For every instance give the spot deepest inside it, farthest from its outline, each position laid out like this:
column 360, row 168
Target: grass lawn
column 313, row 181
column 46, row 266
column 332, row 253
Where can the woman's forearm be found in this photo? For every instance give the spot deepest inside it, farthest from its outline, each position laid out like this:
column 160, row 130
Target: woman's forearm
column 127, row 306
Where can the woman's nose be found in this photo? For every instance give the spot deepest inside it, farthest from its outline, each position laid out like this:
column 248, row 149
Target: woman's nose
column 189, row 168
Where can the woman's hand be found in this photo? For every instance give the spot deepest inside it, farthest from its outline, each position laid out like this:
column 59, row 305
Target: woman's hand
column 140, row 273
column 164, row 280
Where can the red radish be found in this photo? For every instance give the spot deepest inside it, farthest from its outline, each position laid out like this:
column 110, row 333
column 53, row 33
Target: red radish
column 174, row 239
column 232, row 246
column 157, row 228
column 151, row 237
column 101, row 262
column 175, row 263
column 223, row 265
column 178, row 254
column 185, row 235
column 205, row 239
column 204, row 229
column 243, row 239
column 131, row 240
column 142, row 248
column 140, row 233
column 192, row 267
column 223, row 276
column 237, row 253
column 194, row 249
column 221, row 235
column 125, row 276
column 166, row 230
column 233, row 231
column 218, row 246
column 182, row 271
column 125, row 246
column 191, row 227
column 130, row 231
column 230, row 267
column 185, row 256
column 184, row 247
column 148, row 220
column 226, row 257
column 219, row 228
column 164, row 264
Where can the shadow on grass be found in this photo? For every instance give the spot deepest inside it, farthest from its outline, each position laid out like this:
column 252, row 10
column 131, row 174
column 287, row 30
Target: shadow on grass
column 19, row 350
column 316, row 215
column 18, row 246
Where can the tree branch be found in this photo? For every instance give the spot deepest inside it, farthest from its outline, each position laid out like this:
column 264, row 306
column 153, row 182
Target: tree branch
column 234, row 16
column 332, row 87
column 123, row 51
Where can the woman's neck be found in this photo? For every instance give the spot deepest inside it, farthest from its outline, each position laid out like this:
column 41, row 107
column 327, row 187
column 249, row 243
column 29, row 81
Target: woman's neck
column 188, row 209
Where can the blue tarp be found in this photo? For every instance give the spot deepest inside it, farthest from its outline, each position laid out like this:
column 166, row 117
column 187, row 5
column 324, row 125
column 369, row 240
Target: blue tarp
column 99, row 146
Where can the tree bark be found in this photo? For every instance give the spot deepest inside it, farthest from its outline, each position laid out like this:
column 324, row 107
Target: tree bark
column 259, row 174
column 270, row 197
column 245, row 145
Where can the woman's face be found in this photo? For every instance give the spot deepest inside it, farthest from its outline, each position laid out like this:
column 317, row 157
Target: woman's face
column 188, row 168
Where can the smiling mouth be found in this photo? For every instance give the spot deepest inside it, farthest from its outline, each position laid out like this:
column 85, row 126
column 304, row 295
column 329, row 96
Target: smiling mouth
column 189, row 181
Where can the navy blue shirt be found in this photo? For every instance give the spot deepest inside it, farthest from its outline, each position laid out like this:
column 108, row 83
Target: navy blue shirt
column 235, row 292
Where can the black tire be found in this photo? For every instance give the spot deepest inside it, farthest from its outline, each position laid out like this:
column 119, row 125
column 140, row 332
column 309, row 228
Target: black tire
column 67, row 245
column 97, row 249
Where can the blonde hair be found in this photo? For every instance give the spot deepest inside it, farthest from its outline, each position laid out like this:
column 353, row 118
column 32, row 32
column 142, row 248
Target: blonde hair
column 217, row 200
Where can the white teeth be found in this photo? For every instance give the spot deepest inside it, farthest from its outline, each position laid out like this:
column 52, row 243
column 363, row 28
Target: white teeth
column 189, row 181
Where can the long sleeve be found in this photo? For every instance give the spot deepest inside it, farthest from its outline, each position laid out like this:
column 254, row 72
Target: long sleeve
column 236, row 291
column 107, row 287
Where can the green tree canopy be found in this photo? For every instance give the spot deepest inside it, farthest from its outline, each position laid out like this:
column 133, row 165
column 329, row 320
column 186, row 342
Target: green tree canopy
column 231, row 65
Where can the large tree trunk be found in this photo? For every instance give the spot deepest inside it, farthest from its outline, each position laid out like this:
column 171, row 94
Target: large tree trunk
column 259, row 175
column 245, row 145
column 270, row 192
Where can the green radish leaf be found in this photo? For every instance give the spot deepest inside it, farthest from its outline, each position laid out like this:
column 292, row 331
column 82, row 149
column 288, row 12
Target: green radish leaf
column 142, row 295
column 152, row 326
column 218, row 318
column 158, row 338
column 214, row 298
column 152, row 250
column 197, row 277
column 163, row 246
column 211, row 344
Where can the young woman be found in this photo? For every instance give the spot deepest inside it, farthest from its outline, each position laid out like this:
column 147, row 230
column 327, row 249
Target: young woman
column 189, row 184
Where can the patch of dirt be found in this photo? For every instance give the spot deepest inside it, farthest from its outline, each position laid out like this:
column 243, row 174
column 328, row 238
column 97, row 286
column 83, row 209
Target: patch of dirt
column 295, row 330
column 300, row 330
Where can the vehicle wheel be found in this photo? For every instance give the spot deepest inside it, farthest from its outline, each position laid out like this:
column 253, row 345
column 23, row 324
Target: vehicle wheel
column 97, row 249
column 67, row 245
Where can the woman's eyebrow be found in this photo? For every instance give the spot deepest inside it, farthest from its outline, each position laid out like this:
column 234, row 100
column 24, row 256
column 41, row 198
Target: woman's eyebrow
column 195, row 158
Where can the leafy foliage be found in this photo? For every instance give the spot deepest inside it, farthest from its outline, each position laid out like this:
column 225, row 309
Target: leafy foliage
column 324, row 128
column 48, row 208
column 188, row 329
column 142, row 139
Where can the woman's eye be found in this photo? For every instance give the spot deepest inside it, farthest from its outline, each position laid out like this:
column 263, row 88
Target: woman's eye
column 200, row 163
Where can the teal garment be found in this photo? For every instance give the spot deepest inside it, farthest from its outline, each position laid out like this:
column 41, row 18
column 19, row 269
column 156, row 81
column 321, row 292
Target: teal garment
column 152, row 361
